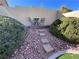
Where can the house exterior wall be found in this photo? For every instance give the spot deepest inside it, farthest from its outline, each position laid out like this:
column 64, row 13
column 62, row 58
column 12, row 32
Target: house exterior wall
column 22, row 14
column 72, row 14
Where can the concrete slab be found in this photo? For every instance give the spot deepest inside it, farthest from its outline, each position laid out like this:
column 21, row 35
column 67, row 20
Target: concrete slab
column 48, row 48
column 55, row 55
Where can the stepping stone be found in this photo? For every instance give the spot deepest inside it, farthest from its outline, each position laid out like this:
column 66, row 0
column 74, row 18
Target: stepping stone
column 42, row 34
column 44, row 40
column 48, row 48
column 44, row 37
column 41, row 30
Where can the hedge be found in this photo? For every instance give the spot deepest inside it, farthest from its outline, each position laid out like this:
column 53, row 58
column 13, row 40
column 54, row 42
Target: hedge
column 11, row 35
column 66, row 28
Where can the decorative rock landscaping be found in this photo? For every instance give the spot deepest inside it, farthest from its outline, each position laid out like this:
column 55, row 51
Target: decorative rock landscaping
column 34, row 47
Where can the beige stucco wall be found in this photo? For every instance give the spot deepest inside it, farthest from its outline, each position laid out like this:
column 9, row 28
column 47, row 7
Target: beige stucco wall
column 72, row 14
column 22, row 14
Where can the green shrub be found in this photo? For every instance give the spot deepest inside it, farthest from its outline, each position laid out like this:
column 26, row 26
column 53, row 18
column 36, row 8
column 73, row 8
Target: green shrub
column 11, row 34
column 66, row 28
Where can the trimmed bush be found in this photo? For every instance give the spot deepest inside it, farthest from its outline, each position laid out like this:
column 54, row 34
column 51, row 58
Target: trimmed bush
column 66, row 28
column 11, row 35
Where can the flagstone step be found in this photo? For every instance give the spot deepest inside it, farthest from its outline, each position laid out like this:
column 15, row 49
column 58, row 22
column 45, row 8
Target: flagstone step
column 44, row 40
column 44, row 37
column 46, row 45
column 41, row 30
column 42, row 34
column 48, row 48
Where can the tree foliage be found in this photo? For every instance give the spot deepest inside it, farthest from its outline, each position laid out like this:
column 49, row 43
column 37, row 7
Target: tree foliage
column 64, row 9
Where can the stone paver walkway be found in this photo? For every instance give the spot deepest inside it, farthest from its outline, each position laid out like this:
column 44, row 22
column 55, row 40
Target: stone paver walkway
column 32, row 48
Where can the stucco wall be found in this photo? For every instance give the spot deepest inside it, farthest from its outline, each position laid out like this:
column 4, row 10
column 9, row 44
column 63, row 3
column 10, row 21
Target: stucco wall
column 22, row 14
column 72, row 14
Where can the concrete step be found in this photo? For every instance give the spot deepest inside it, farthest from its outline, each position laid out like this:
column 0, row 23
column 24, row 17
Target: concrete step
column 48, row 48
column 41, row 30
column 42, row 34
column 44, row 40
